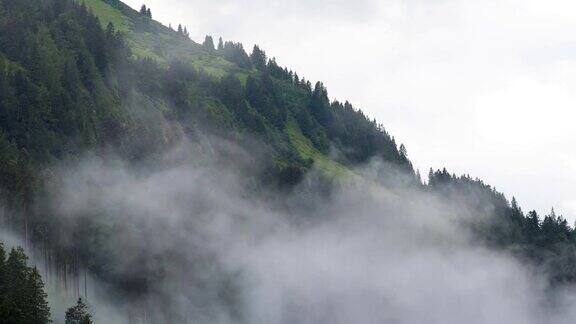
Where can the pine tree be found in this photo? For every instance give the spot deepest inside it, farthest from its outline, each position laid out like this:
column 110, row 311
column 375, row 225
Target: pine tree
column 78, row 314
column 37, row 309
column 403, row 152
column 220, row 45
column 209, row 44
column 431, row 180
column 258, row 58
column 320, row 105
column 180, row 30
column 22, row 296
column 149, row 13
column 16, row 277
column 143, row 10
column 515, row 208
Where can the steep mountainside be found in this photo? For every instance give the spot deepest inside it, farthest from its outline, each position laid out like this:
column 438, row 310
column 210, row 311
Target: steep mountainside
column 282, row 107
column 96, row 76
column 135, row 78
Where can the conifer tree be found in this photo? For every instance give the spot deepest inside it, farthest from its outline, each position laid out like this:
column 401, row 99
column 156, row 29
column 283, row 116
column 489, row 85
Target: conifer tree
column 220, row 45
column 209, row 44
column 78, row 314
column 22, row 296
column 320, row 105
column 258, row 58
column 403, row 152
column 515, row 209
column 37, row 309
column 16, row 277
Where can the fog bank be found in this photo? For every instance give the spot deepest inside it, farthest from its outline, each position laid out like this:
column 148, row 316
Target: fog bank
column 200, row 245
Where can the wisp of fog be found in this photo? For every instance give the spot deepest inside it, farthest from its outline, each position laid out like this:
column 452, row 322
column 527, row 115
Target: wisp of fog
column 212, row 250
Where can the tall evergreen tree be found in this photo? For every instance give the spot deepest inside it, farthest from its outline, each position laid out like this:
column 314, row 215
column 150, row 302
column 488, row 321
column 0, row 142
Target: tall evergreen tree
column 320, row 105
column 22, row 296
column 16, row 276
column 403, row 152
column 258, row 58
column 208, row 44
column 78, row 314
column 37, row 309
column 431, row 179
column 220, row 45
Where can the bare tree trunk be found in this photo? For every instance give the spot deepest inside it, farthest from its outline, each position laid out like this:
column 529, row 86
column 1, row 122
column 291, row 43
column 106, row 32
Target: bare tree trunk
column 85, row 285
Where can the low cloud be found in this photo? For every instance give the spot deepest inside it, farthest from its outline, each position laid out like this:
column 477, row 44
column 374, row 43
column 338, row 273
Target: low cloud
column 210, row 248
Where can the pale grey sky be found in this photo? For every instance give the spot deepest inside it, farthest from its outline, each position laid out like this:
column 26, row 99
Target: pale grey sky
column 484, row 87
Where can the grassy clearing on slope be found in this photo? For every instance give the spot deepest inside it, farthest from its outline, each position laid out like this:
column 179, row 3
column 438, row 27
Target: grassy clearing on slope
column 160, row 43
column 307, row 151
column 108, row 14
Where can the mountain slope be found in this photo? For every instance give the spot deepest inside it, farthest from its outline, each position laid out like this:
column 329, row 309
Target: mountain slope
column 73, row 82
column 151, row 40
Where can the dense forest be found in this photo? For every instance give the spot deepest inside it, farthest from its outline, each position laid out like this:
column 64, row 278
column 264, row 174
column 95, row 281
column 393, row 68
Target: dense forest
column 96, row 76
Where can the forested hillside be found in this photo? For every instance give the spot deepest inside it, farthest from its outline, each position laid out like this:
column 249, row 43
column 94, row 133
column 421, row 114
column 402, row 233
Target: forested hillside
column 73, row 82
column 69, row 86
column 97, row 77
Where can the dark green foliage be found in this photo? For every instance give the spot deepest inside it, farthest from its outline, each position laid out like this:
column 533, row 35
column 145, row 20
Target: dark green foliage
column 183, row 31
column 56, row 99
column 319, row 105
column 22, row 296
column 146, row 11
column 209, row 44
column 234, row 52
column 291, row 176
column 258, row 58
column 220, row 45
column 260, row 93
column 548, row 244
column 78, row 314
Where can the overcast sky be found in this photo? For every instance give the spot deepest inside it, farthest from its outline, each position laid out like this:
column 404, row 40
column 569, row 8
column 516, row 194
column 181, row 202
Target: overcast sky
column 483, row 87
